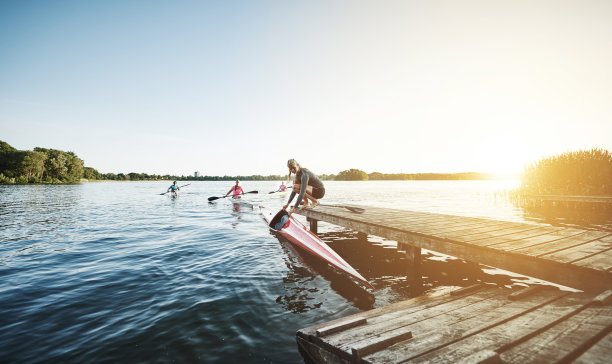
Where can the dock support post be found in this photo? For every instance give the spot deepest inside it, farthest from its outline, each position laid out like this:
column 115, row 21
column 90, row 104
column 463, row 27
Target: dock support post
column 413, row 269
column 313, row 224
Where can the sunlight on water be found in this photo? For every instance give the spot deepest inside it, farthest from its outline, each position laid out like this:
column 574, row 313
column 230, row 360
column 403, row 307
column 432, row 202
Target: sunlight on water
column 115, row 272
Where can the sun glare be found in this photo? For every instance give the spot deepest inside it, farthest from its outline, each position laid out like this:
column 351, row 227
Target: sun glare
column 504, row 154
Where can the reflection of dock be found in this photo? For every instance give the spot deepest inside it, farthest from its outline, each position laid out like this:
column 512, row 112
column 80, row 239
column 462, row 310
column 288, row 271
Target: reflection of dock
column 594, row 202
column 479, row 324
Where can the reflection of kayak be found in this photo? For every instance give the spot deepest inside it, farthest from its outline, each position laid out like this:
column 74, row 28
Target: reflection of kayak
column 299, row 235
column 238, row 200
column 278, row 194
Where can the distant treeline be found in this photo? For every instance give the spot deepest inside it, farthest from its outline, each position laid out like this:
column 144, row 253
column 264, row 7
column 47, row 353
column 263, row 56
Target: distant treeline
column 584, row 172
column 157, row 177
column 358, row 175
column 55, row 166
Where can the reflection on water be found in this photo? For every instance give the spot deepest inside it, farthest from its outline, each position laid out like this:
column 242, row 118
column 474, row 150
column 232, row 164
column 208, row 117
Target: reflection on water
column 114, row 272
column 300, row 296
column 581, row 216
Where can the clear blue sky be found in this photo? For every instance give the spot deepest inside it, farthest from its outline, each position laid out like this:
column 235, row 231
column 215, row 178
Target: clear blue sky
column 238, row 87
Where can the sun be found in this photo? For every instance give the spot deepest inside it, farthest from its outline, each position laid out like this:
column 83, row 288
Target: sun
column 505, row 154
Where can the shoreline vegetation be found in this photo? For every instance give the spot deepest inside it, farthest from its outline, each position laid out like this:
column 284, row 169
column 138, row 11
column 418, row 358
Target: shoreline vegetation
column 579, row 173
column 584, row 172
column 52, row 166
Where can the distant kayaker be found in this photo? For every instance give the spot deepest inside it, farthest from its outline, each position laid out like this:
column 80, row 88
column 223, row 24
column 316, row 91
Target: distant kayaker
column 174, row 188
column 237, row 190
column 307, row 184
column 282, row 187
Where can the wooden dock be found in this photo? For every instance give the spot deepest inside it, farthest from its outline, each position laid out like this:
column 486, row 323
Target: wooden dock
column 478, row 324
column 576, row 258
column 482, row 323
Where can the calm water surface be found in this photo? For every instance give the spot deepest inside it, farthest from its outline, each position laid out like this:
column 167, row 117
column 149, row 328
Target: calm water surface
column 113, row 272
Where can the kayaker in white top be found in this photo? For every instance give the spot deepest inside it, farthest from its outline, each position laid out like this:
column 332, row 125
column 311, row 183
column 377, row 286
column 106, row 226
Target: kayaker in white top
column 307, row 184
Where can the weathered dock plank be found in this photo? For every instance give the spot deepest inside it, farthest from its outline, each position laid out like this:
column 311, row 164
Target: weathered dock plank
column 561, row 340
column 580, row 260
column 582, row 251
column 540, row 249
column 599, row 353
column 490, row 324
column 485, row 330
column 601, row 261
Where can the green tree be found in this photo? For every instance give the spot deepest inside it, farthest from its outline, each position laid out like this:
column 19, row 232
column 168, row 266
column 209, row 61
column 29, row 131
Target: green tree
column 74, row 167
column 6, row 148
column 91, row 173
column 352, row 175
column 375, row 176
column 33, row 165
column 6, row 154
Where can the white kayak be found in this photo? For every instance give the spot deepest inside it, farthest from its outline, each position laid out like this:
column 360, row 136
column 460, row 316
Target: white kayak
column 278, row 194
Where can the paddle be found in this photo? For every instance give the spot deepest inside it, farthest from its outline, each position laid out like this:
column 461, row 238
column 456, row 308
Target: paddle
column 216, row 198
column 179, row 187
column 350, row 208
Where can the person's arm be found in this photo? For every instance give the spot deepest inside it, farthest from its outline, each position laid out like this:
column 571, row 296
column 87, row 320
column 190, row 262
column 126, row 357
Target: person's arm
column 303, row 186
column 291, row 196
column 230, row 191
column 242, row 190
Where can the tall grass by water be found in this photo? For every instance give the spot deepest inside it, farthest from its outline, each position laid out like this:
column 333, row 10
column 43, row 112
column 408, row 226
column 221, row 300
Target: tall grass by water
column 583, row 172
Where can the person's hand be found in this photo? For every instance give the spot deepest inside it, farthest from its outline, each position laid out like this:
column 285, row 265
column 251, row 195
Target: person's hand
column 291, row 211
column 285, row 207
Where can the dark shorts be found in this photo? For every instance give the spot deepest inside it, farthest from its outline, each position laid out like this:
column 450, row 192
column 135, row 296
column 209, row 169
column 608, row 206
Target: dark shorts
column 318, row 192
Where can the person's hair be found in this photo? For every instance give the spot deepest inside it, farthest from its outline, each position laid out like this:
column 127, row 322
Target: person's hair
column 174, row 182
column 292, row 162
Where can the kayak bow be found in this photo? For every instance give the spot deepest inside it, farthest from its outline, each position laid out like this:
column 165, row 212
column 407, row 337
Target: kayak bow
column 277, row 194
column 299, row 235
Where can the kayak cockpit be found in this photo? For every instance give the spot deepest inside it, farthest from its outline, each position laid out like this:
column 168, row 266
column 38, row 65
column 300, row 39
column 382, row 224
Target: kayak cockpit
column 280, row 220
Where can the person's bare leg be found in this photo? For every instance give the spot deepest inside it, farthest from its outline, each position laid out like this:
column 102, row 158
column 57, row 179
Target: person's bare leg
column 308, row 196
column 314, row 202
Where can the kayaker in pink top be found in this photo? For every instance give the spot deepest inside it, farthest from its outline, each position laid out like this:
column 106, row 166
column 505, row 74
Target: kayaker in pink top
column 237, row 190
column 282, row 187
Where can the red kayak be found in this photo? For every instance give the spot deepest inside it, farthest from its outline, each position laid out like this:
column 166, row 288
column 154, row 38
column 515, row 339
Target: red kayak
column 299, row 235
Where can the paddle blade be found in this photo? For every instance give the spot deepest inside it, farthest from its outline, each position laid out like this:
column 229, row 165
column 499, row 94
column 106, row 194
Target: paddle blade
column 355, row 209
column 350, row 208
column 252, row 192
column 213, row 198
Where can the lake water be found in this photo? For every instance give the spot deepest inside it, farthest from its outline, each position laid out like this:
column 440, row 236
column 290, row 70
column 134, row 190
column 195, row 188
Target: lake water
column 113, row 272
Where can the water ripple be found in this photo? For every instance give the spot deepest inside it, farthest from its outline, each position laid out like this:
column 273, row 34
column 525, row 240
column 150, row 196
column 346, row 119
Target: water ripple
column 114, row 272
